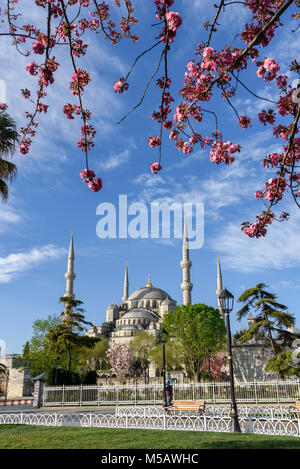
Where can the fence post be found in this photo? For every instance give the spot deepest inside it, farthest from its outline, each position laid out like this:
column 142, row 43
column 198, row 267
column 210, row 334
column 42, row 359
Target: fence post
column 80, row 396
column 164, row 416
column 55, row 419
column 255, row 389
column 21, row 421
column 63, row 395
column 250, row 429
column 278, row 400
column 90, row 418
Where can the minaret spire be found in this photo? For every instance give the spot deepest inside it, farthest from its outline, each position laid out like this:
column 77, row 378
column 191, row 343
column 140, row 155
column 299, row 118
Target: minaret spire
column 126, row 284
column 149, row 284
column 219, row 284
column 70, row 275
column 186, row 264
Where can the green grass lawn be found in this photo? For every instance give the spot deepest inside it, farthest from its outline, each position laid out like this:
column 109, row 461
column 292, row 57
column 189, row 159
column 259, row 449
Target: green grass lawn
column 38, row 437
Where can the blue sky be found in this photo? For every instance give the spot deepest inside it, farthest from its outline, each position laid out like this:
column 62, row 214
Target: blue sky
column 48, row 199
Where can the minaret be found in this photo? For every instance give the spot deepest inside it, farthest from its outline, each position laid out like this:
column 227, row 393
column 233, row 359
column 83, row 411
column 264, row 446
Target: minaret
column 219, row 284
column 126, row 285
column 70, row 275
column 186, row 264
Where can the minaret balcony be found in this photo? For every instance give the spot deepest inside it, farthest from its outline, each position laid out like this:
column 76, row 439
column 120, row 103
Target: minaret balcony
column 186, row 264
column 186, row 286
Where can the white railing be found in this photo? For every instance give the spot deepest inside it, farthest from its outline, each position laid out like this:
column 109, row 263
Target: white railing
column 255, row 411
column 275, row 426
column 279, row 391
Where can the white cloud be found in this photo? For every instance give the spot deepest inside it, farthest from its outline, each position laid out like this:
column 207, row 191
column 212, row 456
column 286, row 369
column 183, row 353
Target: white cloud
column 278, row 250
column 115, row 160
column 16, row 263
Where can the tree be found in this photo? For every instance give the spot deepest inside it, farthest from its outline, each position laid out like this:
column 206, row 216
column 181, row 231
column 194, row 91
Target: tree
column 95, row 358
column 120, row 360
column 282, row 365
column 213, row 366
column 232, row 70
column 141, row 346
column 9, row 138
column 173, row 360
column 36, row 351
column 66, row 337
column 270, row 322
column 195, row 329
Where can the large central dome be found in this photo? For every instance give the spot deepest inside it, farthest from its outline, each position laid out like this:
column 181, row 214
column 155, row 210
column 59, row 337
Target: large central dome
column 148, row 293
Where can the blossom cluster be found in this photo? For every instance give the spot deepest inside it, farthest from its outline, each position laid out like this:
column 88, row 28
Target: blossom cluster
column 94, row 183
column 91, row 16
column 120, row 359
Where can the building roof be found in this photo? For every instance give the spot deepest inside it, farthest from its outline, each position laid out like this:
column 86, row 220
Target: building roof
column 148, row 293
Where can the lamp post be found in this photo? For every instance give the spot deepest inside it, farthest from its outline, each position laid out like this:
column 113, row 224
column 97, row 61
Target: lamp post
column 162, row 339
column 226, row 301
column 56, row 366
column 209, row 373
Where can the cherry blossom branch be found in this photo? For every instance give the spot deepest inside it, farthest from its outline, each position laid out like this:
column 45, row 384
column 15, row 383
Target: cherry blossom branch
column 214, row 22
column 145, row 91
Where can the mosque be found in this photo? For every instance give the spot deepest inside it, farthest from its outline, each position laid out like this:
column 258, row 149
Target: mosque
column 143, row 309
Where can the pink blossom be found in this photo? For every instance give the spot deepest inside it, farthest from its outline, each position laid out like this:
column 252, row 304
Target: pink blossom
column 120, row 86
column 95, row 184
column 154, row 141
column 87, row 173
column 155, row 167
column 245, row 122
column 174, row 20
column 32, row 68
column 38, row 48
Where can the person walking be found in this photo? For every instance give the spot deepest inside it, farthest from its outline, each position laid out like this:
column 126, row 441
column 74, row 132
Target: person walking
column 169, row 393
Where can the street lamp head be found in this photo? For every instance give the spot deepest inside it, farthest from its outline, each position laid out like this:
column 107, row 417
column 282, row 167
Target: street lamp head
column 162, row 336
column 226, row 300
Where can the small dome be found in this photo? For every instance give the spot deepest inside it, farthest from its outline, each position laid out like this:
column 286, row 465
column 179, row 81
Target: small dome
column 129, row 327
column 139, row 313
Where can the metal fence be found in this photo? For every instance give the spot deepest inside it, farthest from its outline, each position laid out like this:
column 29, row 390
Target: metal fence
column 274, row 426
column 279, row 391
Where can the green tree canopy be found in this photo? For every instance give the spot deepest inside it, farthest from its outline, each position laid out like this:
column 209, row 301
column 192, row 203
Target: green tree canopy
column 270, row 324
column 94, row 358
column 9, row 138
column 195, row 329
column 272, row 318
column 173, row 356
column 65, row 338
column 36, row 351
column 141, row 346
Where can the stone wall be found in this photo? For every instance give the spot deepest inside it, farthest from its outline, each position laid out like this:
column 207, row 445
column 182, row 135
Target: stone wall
column 19, row 380
column 249, row 362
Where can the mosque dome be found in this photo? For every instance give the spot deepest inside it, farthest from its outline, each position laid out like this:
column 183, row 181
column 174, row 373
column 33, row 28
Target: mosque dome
column 148, row 293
